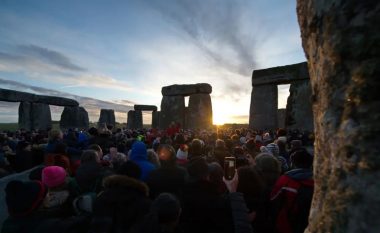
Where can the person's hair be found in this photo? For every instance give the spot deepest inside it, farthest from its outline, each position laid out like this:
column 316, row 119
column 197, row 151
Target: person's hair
column 281, row 132
column 54, row 134
column 198, row 168
column 167, row 155
column 196, row 147
column 301, row 159
column 153, row 157
column 89, row 156
column 250, row 185
column 130, row 169
column 220, row 143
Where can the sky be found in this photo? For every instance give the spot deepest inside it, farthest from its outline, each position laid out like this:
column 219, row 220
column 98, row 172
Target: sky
column 114, row 54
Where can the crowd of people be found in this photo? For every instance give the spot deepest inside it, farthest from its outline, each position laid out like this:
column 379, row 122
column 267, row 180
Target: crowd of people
column 121, row 180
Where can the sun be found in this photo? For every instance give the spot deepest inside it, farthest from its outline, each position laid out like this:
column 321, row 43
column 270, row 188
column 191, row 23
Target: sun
column 219, row 119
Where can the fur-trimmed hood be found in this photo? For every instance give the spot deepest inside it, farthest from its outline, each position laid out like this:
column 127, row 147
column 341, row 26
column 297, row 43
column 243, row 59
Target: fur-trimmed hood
column 121, row 182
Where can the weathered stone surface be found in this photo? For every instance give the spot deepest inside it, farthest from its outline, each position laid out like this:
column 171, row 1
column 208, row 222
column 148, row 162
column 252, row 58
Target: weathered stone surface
column 145, row 107
column 138, row 119
column 74, row 117
column 263, row 111
column 280, row 74
column 107, row 116
column 199, row 113
column 18, row 96
column 34, row 116
column 131, row 119
column 281, row 117
column 172, row 110
column 155, row 119
column 299, row 114
column 186, row 89
column 341, row 41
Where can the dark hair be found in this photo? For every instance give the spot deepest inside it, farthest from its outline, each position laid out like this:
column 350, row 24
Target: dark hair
column 89, row 156
column 301, row 159
column 130, row 169
column 198, row 168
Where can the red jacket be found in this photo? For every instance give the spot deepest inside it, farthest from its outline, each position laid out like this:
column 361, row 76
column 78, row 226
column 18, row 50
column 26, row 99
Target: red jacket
column 284, row 195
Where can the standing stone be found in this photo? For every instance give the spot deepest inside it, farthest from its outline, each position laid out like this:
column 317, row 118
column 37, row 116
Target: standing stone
column 74, row 117
column 172, row 110
column 24, row 116
column 138, row 123
column 341, row 41
column 199, row 111
column 299, row 114
column 107, row 116
column 155, row 119
column 281, row 116
column 131, row 119
column 34, row 116
column 263, row 111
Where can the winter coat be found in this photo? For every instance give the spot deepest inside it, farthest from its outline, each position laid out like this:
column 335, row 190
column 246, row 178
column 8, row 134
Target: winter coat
column 204, row 209
column 123, row 204
column 40, row 222
column 140, row 157
column 285, row 198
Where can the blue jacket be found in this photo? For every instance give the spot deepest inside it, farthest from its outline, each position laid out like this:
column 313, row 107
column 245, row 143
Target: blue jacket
column 139, row 155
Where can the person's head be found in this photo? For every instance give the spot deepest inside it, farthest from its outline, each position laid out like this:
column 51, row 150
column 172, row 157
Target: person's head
column 96, row 148
column 219, row 143
column 273, row 149
column 301, row 159
column 153, row 157
column 89, row 156
column 268, row 166
column 130, row 169
column 24, row 197
column 53, row 176
column 138, row 151
column 281, row 132
column 198, row 169
column 55, row 135
column 167, row 155
column 216, row 173
column 196, row 147
column 167, row 209
column 250, row 184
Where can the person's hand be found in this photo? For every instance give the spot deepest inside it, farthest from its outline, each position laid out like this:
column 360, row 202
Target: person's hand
column 232, row 184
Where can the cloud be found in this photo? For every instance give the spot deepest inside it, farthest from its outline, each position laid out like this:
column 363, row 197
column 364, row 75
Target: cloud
column 92, row 105
column 50, row 66
column 49, row 56
column 216, row 29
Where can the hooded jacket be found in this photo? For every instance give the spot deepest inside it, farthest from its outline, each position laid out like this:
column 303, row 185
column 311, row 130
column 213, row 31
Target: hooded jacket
column 123, row 204
column 284, row 199
column 139, row 155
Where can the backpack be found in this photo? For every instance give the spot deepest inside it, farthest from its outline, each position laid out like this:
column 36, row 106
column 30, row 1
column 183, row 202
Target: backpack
column 298, row 213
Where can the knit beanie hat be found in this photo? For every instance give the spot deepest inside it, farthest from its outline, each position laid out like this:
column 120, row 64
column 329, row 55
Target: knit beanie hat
column 182, row 152
column 53, row 176
column 22, row 197
column 273, row 149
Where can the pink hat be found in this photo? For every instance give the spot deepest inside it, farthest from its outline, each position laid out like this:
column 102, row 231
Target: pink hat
column 53, row 176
